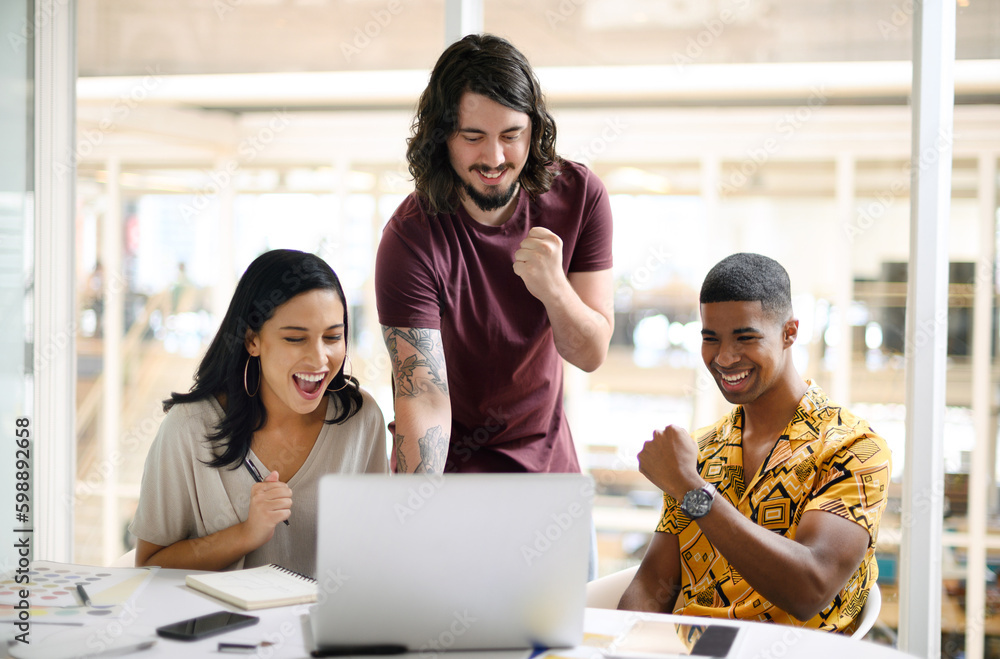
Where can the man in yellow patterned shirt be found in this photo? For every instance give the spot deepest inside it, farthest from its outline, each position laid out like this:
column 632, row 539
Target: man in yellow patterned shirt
column 772, row 514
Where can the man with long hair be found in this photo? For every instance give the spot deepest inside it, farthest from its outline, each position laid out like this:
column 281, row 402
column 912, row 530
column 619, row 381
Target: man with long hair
column 495, row 269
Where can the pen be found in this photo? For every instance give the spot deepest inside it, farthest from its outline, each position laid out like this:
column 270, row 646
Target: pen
column 237, row 647
column 245, row 648
column 41, row 622
column 252, row 468
column 84, row 597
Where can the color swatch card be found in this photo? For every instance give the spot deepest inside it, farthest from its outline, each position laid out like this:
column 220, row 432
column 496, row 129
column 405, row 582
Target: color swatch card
column 52, row 589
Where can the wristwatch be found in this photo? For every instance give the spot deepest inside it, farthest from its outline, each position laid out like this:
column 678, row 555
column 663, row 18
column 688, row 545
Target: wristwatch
column 697, row 503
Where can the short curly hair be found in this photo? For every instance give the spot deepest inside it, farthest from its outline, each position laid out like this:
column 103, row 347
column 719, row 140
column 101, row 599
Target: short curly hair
column 746, row 277
column 488, row 65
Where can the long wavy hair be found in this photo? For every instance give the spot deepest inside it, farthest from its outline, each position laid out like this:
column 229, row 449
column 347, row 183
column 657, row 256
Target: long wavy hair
column 271, row 280
column 490, row 66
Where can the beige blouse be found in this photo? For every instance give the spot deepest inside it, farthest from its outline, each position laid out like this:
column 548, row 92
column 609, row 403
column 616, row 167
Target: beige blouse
column 181, row 497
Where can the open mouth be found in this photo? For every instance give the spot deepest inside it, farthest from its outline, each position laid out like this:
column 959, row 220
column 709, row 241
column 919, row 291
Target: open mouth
column 734, row 380
column 309, row 384
column 491, row 176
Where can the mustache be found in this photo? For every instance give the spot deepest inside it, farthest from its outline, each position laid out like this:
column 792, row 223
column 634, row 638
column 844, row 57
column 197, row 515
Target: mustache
column 487, row 170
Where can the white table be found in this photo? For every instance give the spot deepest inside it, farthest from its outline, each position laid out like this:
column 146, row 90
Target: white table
column 166, row 599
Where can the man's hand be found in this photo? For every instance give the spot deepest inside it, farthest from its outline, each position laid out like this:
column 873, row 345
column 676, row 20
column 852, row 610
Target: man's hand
column 539, row 262
column 579, row 305
column 670, row 461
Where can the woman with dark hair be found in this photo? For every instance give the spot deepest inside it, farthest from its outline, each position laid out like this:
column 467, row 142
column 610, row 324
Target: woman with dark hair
column 231, row 479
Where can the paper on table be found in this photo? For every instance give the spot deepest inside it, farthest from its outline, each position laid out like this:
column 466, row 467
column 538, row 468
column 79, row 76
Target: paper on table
column 76, row 642
column 654, row 637
column 257, row 588
column 51, row 589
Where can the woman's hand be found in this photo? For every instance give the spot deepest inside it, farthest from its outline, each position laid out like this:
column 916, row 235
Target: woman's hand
column 270, row 504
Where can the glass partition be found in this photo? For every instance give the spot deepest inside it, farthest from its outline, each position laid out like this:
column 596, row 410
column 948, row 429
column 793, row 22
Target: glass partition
column 821, row 184
column 16, row 268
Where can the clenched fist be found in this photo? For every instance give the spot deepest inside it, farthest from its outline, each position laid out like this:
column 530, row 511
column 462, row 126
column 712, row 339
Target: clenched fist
column 539, row 262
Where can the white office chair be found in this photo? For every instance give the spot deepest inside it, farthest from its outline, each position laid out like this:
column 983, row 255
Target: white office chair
column 605, row 592
column 869, row 612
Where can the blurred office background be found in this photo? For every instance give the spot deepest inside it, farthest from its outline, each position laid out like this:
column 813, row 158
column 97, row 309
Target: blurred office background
column 209, row 131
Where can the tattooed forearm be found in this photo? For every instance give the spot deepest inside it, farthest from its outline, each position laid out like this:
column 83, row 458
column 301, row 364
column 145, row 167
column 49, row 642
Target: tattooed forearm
column 400, row 456
column 433, row 451
column 424, row 361
column 423, row 423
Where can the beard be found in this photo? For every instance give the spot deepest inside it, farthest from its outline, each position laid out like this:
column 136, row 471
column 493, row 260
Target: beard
column 490, row 201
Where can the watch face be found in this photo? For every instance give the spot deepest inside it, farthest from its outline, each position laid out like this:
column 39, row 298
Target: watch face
column 696, row 503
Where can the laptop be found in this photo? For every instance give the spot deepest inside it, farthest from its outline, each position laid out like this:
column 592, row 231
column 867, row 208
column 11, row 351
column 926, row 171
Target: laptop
column 431, row 563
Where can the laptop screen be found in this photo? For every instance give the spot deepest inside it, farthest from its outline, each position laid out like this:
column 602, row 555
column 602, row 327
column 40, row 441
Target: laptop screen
column 463, row 561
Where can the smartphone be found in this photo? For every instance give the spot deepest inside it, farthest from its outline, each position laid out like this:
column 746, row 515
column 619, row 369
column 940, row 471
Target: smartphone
column 206, row 625
column 716, row 641
column 648, row 639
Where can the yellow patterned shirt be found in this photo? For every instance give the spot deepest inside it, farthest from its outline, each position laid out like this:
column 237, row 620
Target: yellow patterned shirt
column 826, row 459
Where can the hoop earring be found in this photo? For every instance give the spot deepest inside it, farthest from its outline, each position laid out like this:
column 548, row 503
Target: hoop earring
column 245, row 369
column 347, row 362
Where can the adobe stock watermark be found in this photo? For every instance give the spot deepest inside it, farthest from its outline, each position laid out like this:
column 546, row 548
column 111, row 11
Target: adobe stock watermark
column 96, row 479
column 43, row 14
column 418, row 497
column 784, row 129
column 91, row 138
column 884, row 199
column 922, row 504
column 223, row 7
column 901, row 16
column 559, row 523
column 249, row 148
column 103, row 639
column 398, row 178
column 364, row 34
column 495, row 421
column 713, row 28
column 330, row 583
column 781, row 647
column 206, row 545
column 661, row 600
column 874, row 210
column 376, row 366
column 658, row 257
column 613, row 128
column 274, row 641
column 460, row 624
column 562, row 12
column 59, row 341
column 607, row 476
column 703, row 382
column 265, row 304
column 462, row 452
column 925, row 331
column 955, row 645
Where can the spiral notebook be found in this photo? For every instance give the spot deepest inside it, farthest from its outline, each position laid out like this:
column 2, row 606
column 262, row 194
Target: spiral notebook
column 257, row 588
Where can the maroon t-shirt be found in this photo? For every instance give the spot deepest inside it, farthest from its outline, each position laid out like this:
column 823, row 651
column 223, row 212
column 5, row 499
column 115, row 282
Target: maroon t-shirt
column 450, row 273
